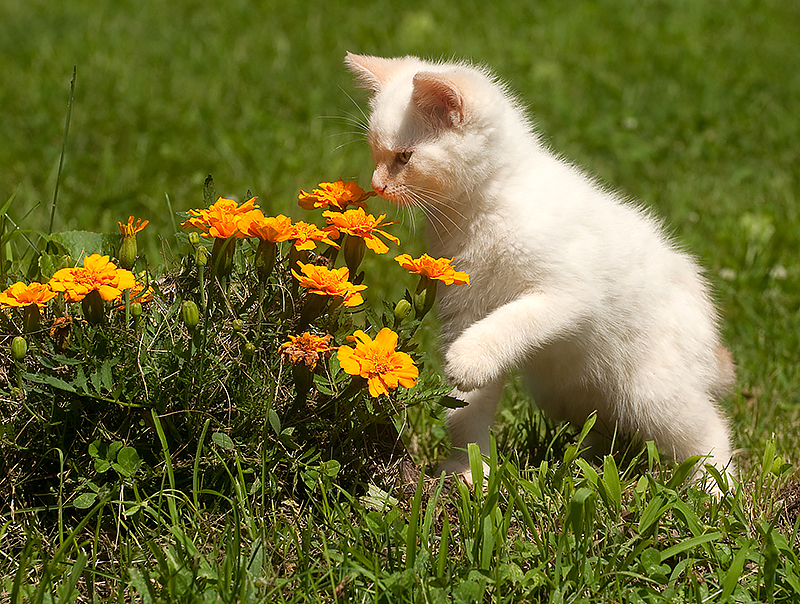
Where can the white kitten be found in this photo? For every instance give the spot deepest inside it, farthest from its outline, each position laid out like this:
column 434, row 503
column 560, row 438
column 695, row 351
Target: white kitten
column 581, row 290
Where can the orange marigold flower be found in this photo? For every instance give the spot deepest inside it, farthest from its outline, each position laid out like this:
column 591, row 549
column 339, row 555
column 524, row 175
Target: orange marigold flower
column 20, row 294
column 357, row 223
column 98, row 273
column 305, row 236
column 338, row 194
column 306, row 349
column 269, row 228
column 326, row 282
column 378, row 362
column 433, row 268
column 140, row 292
column 224, row 218
column 129, row 229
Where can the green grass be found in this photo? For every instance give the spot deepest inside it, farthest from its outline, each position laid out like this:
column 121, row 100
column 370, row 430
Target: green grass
column 690, row 107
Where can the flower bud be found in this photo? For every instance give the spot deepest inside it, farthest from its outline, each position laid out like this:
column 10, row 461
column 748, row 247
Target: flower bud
column 190, row 314
column 249, row 349
column 127, row 252
column 401, row 309
column 237, row 325
column 19, row 348
column 353, row 253
column 194, row 238
column 136, row 309
column 201, row 256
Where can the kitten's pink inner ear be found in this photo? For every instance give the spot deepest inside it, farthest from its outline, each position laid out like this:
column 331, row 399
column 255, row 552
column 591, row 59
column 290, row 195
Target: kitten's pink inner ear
column 439, row 97
column 371, row 72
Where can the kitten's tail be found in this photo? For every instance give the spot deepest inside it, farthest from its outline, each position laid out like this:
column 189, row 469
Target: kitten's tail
column 726, row 373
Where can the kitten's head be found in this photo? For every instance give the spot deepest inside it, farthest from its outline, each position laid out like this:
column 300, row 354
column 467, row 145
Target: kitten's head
column 432, row 126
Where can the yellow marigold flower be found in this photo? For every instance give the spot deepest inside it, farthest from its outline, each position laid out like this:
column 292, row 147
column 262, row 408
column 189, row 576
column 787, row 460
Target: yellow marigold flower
column 433, row 268
column 269, row 228
column 20, row 294
column 129, row 229
column 357, row 223
column 326, row 282
column 338, row 194
column 306, row 349
column 305, row 236
column 224, row 218
column 378, row 362
column 98, row 273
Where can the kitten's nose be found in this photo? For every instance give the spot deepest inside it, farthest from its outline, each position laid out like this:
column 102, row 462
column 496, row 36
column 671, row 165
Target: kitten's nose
column 378, row 186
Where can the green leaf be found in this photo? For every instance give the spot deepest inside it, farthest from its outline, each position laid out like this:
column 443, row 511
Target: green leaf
column 611, row 484
column 48, row 380
column 50, row 263
column 654, row 510
column 127, row 462
column 688, row 544
column 451, row 402
column 79, row 244
column 85, row 500
column 223, row 440
column 330, row 468
column 274, row 421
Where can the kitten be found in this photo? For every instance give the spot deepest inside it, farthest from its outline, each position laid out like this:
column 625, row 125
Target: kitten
column 579, row 289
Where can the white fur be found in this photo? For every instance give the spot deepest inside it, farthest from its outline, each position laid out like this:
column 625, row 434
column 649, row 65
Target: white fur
column 579, row 289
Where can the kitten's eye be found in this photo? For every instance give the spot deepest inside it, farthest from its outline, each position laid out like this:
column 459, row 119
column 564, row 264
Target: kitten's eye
column 404, row 156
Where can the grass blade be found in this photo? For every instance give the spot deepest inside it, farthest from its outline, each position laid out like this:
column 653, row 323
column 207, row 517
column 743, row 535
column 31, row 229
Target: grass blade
column 63, row 149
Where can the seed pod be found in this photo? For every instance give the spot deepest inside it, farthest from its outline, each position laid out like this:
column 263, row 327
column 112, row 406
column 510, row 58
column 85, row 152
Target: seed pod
column 190, row 314
column 19, row 348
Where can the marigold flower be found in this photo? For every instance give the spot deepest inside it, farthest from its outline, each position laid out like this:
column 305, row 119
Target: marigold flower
column 128, row 248
column 269, row 228
column 20, row 294
column 378, row 362
column 357, row 223
column 306, row 349
column 224, row 218
column 141, row 293
column 433, row 268
column 329, row 282
column 306, row 236
column 129, row 229
column 98, row 273
column 338, row 194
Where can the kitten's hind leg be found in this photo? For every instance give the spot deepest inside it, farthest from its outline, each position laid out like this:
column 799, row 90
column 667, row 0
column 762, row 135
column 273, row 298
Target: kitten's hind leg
column 471, row 424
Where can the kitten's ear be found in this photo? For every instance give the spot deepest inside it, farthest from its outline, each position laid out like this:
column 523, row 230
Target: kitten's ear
column 439, row 98
column 371, row 72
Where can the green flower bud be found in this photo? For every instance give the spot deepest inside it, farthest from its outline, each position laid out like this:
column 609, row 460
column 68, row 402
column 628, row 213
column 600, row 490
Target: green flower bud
column 237, row 325
column 401, row 309
column 194, row 238
column 201, row 256
column 190, row 314
column 127, row 252
column 19, row 348
column 136, row 309
column 249, row 349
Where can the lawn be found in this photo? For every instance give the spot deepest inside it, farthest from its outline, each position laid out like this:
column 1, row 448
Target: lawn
column 192, row 490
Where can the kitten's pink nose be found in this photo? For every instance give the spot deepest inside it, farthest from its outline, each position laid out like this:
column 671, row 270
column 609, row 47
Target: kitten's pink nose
column 378, row 186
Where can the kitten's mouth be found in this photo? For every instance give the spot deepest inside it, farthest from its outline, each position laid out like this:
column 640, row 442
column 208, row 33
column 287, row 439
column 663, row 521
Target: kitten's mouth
column 398, row 201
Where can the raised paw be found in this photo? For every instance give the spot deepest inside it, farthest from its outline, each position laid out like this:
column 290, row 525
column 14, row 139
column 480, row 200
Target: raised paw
column 468, row 366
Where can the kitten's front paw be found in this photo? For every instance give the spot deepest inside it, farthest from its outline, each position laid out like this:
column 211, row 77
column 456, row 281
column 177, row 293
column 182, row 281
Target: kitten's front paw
column 467, row 366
